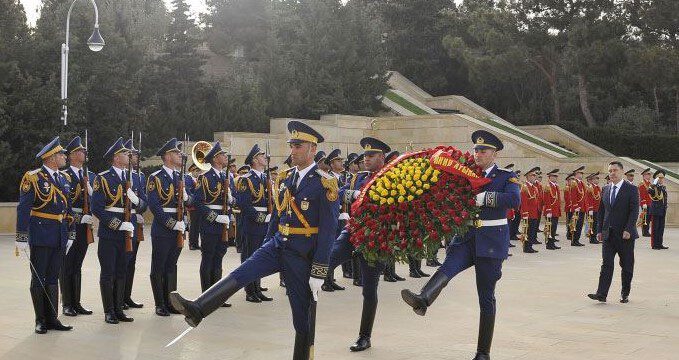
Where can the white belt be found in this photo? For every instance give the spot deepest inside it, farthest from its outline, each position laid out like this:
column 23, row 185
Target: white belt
column 118, row 210
column 261, row 208
column 484, row 223
column 215, row 207
column 77, row 210
column 170, row 210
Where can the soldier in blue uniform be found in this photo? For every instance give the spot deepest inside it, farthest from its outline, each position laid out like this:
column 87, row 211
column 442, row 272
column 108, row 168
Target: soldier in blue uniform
column 212, row 215
column 334, row 161
column 194, row 229
column 139, row 189
column 390, row 274
column 252, row 200
column 298, row 242
column 658, row 209
column 108, row 203
column 485, row 246
column 71, row 270
column 44, row 226
column 374, row 152
column 162, row 189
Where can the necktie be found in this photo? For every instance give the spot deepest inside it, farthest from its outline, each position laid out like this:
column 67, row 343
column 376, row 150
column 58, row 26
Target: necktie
column 294, row 182
column 614, row 193
column 56, row 178
column 80, row 174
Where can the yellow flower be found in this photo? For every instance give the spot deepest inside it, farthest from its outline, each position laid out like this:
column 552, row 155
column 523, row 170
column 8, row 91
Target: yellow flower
column 418, row 183
column 384, row 192
column 393, row 193
column 390, row 201
column 413, row 189
column 426, row 186
column 419, row 192
column 410, row 197
column 401, row 199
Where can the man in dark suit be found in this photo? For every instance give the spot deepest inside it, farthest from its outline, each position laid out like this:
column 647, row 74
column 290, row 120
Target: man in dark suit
column 617, row 219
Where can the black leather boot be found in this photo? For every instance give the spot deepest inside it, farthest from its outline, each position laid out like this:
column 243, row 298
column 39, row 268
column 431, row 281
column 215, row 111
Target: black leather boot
column 157, row 282
column 528, row 247
column 302, row 350
column 38, row 297
column 118, row 301
column 205, row 280
column 346, row 270
column 107, row 300
column 216, row 276
column 259, row 293
column 251, row 294
column 418, row 264
column 209, row 301
column 393, row 272
column 327, row 284
column 129, row 281
column 66, row 283
column 486, row 326
column 388, row 274
column 169, row 286
column 77, row 291
column 412, row 266
column 356, row 269
column 367, row 321
column 428, row 294
column 52, row 322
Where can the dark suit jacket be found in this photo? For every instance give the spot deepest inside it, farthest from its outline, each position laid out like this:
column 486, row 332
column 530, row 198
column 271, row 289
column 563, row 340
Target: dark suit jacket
column 622, row 214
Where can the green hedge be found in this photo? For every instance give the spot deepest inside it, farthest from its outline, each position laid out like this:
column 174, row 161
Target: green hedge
column 652, row 147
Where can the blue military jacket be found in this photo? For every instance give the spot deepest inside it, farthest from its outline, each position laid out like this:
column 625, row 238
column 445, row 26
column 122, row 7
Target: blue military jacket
column 209, row 200
column 305, row 216
column 162, row 192
column 108, row 203
column 252, row 199
column 44, row 216
column 77, row 193
column 354, row 185
column 658, row 194
column 502, row 193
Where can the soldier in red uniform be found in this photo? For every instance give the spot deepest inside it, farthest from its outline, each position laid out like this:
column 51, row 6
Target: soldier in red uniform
column 593, row 199
column 552, row 207
column 537, row 184
column 577, row 200
column 645, row 201
column 529, row 211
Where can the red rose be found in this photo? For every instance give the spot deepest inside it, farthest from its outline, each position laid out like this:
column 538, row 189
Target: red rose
column 457, row 220
column 471, row 201
column 464, row 214
column 371, row 244
column 418, row 243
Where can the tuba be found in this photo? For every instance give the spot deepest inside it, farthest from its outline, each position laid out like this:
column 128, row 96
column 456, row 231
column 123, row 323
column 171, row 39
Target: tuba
column 198, row 152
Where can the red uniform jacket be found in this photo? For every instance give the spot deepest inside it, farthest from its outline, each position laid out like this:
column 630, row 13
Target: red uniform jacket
column 593, row 198
column 529, row 201
column 552, row 200
column 644, row 197
column 576, row 195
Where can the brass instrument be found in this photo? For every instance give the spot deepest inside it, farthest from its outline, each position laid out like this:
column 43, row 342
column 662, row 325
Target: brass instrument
column 547, row 229
column 198, row 152
column 523, row 229
column 643, row 218
column 574, row 223
column 590, row 225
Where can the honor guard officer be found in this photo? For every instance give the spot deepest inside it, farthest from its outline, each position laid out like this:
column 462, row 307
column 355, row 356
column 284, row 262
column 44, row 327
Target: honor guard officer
column 658, row 209
column 593, row 200
column 350, row 168
column 529, row 211
column 320, row 160
column 360, row 162
column 80, row 184
column 298, row 242
column 272, row 174
column 251, row 196
column 374, row 152
column 212, row 214
column 515, row 222
column 162, row 188
column 139, row 188
column 334, row 161
column 240, row 237
column 336, row 164
column 108, row 205
column 577, row 201
column 485, row 246
column 645, row 201
column 629, row 175
column 552, row 207
column 194, row 229
column 44, row 226
column 390, row 274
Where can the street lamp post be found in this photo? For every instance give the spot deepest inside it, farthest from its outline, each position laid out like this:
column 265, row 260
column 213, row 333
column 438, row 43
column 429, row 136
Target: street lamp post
column 95, row 43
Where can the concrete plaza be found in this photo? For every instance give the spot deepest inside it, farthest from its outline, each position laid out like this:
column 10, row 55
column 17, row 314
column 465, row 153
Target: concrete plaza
column 543, row 314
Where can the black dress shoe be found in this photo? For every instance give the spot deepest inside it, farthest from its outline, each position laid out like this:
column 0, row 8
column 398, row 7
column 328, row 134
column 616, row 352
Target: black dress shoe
column 511, row 245
column 253, row 298
column 480, row 356
column 347, row 275
column 132, row 305
column 281, row 283
column 398, row 278
column 110, row 318
column 162, row 311
column 388, row 278
column 125, row 307
column 529, row 250
column 263, row 289
column 597, row 297
column 69, row 311
column 40, row 328
column 81, row 310
column 263, row 297
column 226, row 305
column 327, row 286
column 415, row 274
column 124, row 318
column 357, row 282
column 55, row 324
column 422, row 273
column 576, row 243
column 336, row 286
column 624, row 300
column 361, row 344
column 661, row 247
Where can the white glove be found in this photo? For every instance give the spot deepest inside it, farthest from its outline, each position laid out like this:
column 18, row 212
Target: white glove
column 577, row 209
column 21, row 245
column 86, row 219
column 655, row 182
column 132, row 196
column 140, row 219
column 232, row 218
column 69, row 243
column 644, row 206
column 481, row 199
column 315, row 285
column 231, row 199
column 343, row 216
column 355, row 194
column 268, row 218
column 89, row 189
column 179, row 226
column 591, row 212
column 186, row 195
column 223, row 219
column 126, row 226
column 549, row 215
